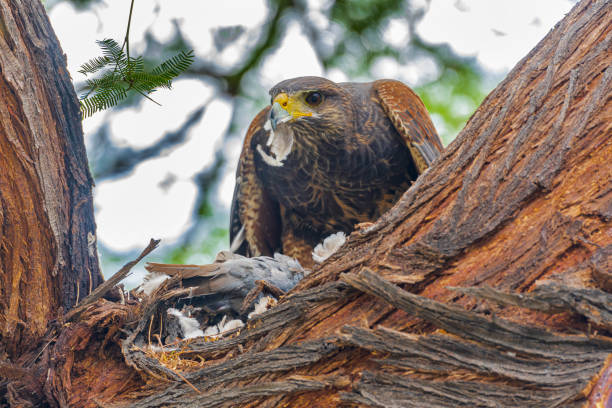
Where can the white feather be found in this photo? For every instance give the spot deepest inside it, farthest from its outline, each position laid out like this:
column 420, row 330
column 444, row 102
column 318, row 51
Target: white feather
column 262, row 305
column 280, row 144
column 237, row 241
column 216, row 331
column 328, row 247
column 189, row 325
column 151, row 281
column 270, row 161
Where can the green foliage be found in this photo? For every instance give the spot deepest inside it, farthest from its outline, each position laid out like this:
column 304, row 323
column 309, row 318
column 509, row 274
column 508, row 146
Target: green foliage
column 453, row 97
column 456, row 93
column 359, row 16
column 362, row 22
column 120, row 74
column 214, row 241
column 94, row 65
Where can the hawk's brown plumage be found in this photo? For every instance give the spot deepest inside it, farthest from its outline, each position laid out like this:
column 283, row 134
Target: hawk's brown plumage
column 323, row 158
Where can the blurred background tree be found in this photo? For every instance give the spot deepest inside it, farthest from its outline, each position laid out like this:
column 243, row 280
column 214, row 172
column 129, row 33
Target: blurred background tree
column 168, row 172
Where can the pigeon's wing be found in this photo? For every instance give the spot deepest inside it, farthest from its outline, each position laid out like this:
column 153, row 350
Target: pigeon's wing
column 236, row 274
column 255, row 224
column 411, row 120
column 204, row 279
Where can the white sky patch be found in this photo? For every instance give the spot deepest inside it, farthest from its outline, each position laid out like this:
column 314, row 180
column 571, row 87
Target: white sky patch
column 101, row 20
column 226, row 189
column 318, row 19
column 440, row 125
column 462, row 105
column 397, row 33
column 92, row 123
column 134, row 278
column 114, row 16
column 385, row 67
column 198, row 17
column 131, row 210
column 336, row 75
column 417, row 71
column 294, row 58
column 129, row 128
column 319, row 4
column 198, row 151
column 78, row 48
column 232, row 150
column 499, row 32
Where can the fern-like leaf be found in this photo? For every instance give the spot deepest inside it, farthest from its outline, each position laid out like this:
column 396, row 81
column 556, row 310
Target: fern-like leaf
column 135, row 65
column 151, row 81
column 108, row 80
column 172, row 67
column 125, row 74
column 102, row 99
column 111, row 49
column 94, row 65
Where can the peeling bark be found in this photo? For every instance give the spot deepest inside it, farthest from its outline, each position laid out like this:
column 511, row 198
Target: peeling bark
column 48, row 258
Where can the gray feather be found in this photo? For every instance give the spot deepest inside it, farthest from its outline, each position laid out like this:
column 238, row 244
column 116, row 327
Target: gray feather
column 224, row 284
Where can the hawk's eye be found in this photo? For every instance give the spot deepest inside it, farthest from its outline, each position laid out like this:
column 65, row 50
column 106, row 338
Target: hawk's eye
column 314, row 98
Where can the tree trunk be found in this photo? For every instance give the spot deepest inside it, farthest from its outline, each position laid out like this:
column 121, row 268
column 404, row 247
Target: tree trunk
column 516, row 213
column 48, row 257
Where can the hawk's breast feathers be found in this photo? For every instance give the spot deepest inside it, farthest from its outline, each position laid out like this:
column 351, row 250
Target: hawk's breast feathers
column 323, row 158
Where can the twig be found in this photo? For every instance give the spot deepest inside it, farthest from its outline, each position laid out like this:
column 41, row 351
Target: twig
column 126, row 42
column 150, row 327
column 101, row 290
column 186, row 380
column 146, row 96
column 260, row 286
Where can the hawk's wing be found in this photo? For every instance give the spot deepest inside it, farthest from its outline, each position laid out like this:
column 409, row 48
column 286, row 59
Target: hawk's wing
column 410, row 118
column 255, row 225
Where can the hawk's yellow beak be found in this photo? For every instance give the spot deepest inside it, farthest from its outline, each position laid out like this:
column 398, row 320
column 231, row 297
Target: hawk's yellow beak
column 292, row 105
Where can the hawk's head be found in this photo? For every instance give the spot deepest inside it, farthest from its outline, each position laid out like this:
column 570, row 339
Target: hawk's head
column 312, row 109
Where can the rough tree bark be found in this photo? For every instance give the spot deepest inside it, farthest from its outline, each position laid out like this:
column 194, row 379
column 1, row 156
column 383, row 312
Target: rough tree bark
column 488, row 284
column 48, row 258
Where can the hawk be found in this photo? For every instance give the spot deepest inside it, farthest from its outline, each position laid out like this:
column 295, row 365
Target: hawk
column 323, row 157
